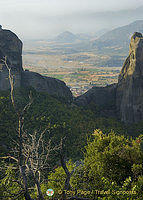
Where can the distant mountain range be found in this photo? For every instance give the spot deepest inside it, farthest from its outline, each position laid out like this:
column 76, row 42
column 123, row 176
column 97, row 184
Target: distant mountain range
column 94, row 22
column 114, row 43
column 119, row 37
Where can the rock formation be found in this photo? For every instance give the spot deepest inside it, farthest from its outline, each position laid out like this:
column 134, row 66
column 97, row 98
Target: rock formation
column 127, row 95
column 11, row 48
column 129, row 98
column 124, row 98
column 50, row 85
column 101, row 99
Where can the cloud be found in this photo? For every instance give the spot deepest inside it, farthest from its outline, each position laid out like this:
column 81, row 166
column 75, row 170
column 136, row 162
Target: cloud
column 38, row 18
column 56, row 7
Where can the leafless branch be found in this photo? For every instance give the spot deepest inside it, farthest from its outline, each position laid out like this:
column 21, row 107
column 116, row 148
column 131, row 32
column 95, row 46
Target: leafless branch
column 31, row 153
column 10, row 76
column 11, row 157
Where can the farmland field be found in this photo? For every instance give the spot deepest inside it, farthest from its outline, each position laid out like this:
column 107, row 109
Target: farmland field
column 80, row 69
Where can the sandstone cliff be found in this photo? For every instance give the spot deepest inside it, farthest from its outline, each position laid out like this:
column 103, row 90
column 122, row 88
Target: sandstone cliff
column 50, row 85
column 102, row 100
column 127, row 95
column 129, row 99
column 11, row 47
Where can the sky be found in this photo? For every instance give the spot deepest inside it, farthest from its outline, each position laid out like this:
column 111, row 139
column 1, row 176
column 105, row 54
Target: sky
column 37, row 19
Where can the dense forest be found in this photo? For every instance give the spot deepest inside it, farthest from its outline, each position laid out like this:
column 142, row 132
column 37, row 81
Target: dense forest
column 49, row 143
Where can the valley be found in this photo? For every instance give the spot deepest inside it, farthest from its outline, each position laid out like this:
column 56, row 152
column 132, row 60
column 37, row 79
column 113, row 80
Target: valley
column 80, row 60
column 77, row 64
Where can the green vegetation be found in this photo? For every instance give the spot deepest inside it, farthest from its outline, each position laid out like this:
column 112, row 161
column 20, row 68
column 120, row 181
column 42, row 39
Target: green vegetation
column 96, row 160
column 111, row 168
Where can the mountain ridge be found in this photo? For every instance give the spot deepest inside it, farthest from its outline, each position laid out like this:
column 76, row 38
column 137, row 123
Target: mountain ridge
column 119, row 37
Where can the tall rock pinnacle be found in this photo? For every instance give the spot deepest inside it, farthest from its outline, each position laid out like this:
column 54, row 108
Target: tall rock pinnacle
column 125, row 98
column 129, row 98
column 11, row 48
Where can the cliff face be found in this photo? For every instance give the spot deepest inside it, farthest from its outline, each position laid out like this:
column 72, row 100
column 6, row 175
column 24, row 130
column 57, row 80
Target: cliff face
column 46, row 84
column 99, row 99
column 127, row 95
column 11, row 47
column 129, row 99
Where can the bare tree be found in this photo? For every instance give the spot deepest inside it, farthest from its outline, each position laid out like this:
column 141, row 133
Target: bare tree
column 37, row 154
column 31, row 153
column 20, row 114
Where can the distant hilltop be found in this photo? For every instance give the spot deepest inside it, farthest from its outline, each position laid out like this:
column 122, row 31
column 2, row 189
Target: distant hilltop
column 69, row 37
column 66, row 37
column 124, row 99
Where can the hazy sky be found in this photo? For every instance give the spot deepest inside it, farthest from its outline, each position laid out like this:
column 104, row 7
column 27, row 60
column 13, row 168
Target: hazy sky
column 44, row 18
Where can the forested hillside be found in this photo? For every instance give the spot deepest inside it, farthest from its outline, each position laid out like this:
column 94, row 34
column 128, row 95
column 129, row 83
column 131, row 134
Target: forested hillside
column 68, row 149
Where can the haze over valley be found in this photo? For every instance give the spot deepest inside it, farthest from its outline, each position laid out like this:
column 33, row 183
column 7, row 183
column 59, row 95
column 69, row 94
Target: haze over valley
column 83, row 43
column 81, row 60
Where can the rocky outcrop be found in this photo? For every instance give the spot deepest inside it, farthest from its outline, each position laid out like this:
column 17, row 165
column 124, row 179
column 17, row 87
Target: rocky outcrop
column 101, row 96
column 11, row 48
column 50, row 85
column 101, row 99
column 127, row 95
column 129, row 99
